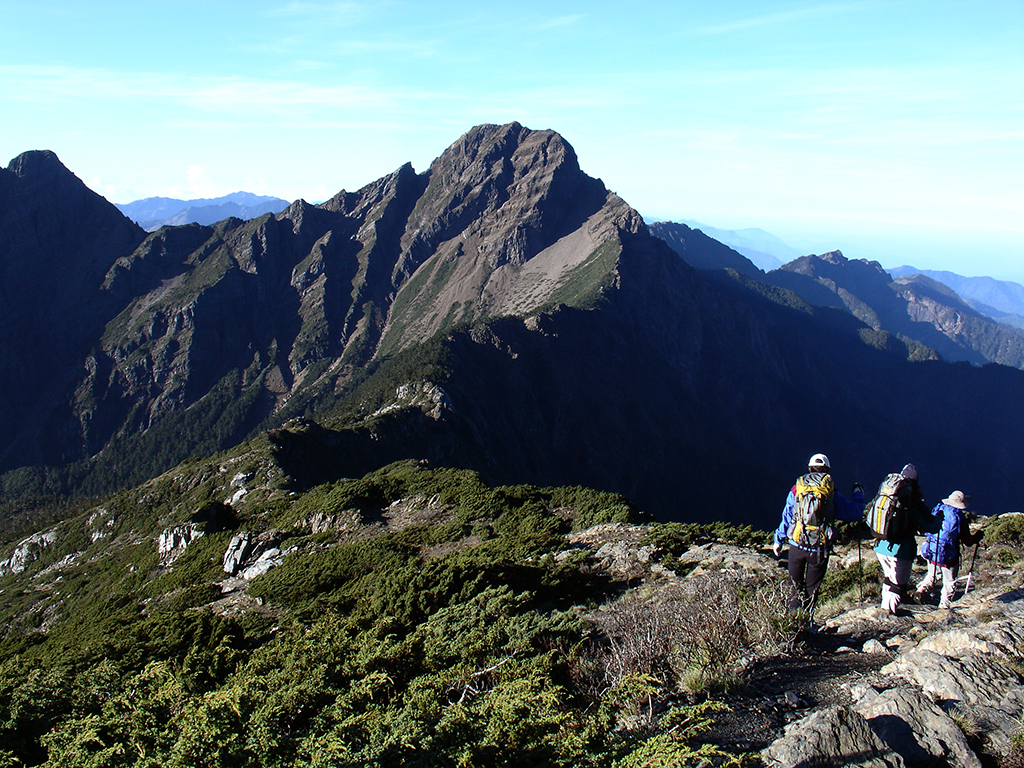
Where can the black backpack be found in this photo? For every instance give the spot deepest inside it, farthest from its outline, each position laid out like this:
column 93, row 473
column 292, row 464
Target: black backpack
column 814, row 510
column 888, row 514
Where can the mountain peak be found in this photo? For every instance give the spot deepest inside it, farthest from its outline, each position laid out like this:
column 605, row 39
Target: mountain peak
column 37, row 163
column 833, row 257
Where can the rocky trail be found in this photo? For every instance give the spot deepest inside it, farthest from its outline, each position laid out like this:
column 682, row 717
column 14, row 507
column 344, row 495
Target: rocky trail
column 928, row 687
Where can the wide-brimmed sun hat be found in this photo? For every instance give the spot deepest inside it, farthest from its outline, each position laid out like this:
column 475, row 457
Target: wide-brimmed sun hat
column 958, row 500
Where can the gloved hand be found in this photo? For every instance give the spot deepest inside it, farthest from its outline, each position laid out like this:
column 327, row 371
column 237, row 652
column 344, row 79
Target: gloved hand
column 858, row 487
column 777, row 548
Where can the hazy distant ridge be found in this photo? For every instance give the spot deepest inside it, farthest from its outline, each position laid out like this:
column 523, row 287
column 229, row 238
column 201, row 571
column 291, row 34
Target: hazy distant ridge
column 764, row 249
column 154, row 212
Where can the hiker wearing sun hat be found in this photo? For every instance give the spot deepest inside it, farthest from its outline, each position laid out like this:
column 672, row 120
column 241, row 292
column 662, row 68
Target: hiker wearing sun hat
column 942, row 549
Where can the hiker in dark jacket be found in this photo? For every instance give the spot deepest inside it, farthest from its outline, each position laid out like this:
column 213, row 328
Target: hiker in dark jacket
column 808, row 562
column 897, row 556
column 942, row 549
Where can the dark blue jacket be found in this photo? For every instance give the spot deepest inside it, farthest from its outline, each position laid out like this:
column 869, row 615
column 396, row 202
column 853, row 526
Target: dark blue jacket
column 944, row 547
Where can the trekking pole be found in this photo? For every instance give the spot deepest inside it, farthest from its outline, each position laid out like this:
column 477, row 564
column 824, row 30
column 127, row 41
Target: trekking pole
column 970, row 573
column 860, row 572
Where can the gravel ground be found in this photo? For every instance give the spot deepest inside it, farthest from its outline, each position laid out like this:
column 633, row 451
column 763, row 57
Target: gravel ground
column 815, row 673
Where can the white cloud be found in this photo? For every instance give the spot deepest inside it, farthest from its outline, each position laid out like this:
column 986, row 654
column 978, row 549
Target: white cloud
column 562, row 21
column 342, row 12
column 781, row 17
column 198, row 184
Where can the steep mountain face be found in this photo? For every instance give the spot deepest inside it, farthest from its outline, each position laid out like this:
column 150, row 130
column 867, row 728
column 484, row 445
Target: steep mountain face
column 57, row 241
column 1002, row 300
column 701, row 251
column 223, row 325
column 505, row 312
column 913, row 307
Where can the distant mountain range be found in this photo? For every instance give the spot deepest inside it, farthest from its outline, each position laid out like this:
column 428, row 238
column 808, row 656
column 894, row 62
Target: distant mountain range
column 999, row 300
column 501, row 311
column 914, row 308
column 155, row 212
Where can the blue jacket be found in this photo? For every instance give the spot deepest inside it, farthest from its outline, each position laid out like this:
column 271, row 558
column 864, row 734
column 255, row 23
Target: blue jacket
column 846, row 510
column 944, row 547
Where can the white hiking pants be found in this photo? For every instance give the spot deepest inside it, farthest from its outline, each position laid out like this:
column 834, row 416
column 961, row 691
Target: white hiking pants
column 948, row 574
column 897, row 577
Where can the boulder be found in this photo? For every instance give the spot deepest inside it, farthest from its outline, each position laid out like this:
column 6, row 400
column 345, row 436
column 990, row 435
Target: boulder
column 239, row 549
column 874, row 646
column 833, row 736
column 917, row 729
column 713, row 557
column 268, row 559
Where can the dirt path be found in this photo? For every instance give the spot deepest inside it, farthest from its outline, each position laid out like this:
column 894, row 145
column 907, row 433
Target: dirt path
column 815, row 672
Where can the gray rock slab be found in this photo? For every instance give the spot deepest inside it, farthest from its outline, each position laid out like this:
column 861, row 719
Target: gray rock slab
column 973, row 672
column 833, row 736
column 917, row 729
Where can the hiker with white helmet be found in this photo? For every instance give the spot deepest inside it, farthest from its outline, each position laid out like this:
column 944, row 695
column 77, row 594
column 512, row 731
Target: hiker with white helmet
column 811, row 506
column 942, row 549
column 897, row 546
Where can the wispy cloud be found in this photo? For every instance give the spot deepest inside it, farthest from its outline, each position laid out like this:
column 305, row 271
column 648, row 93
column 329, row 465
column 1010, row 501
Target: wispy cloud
column 230, row 99
column 562, row 21
column 334, row 13
column 57, row 84
column 780, row 17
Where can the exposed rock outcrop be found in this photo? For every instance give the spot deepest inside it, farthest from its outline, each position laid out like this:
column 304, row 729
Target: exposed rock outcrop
column 172, row 542
column 833, row 736
column 953, row 692
column 27, row 551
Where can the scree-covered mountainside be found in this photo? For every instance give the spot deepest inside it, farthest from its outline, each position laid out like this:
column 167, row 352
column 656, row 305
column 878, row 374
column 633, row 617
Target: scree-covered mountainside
column 501, row 311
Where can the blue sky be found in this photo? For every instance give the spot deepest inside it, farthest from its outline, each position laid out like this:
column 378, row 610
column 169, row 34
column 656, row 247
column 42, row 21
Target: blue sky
column 892, row 130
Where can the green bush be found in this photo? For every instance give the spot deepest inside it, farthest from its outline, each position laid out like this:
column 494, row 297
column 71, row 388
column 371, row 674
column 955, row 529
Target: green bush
column 842, row 581
column 592, row 507
column 1006, row 529
column 381, row 650
column 1007, row 557
column 674, row 539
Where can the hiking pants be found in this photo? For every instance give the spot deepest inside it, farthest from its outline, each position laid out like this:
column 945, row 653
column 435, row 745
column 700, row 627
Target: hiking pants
column 806, row 570
column 948, row 573
column 897, row 577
